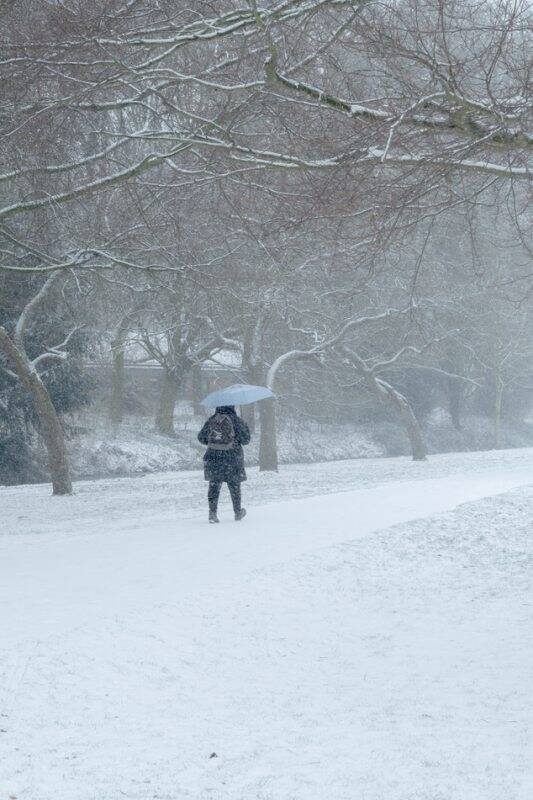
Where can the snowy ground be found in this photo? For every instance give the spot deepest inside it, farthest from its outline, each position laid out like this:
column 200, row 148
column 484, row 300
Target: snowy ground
column 318, row 651
column 137, row 449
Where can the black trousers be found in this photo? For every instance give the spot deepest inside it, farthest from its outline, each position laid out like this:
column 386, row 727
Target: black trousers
column 214, row 493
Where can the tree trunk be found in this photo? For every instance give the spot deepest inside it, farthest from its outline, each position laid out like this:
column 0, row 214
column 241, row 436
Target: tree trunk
column 251, row 362
column 49, row 424
column 196, row 390
column 253, row 375
column 54, row 439
column 453, row 387
column 268, row 449
column 455, row 402
column 408, row 419
column 164, row 421
column 116, row 405
column 385, row 391
column 414, row 432
column 248, row 415
column 268, row 446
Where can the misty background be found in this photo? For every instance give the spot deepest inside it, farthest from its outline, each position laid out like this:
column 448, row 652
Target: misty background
column 330, row 198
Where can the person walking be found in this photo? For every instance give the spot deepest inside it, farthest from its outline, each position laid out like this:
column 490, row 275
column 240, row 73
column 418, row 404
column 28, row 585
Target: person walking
column 224, row 433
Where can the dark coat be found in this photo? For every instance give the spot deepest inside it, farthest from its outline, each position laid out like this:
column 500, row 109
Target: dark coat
column 226, row 465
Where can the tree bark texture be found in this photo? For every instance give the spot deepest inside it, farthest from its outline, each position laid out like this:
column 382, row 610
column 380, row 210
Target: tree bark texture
column 268, row 448
column 408, row 419
column 164, row 421
column 255, row 376
column 197, row 391
column 49, row 425
column 116, row 405
column 387, row 393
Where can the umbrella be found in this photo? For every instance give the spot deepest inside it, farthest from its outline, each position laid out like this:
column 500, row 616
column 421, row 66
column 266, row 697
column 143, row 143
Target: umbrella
column 240, row 394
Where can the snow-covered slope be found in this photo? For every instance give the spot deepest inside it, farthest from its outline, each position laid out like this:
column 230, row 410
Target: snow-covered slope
column 317, row 651
column 137, row 449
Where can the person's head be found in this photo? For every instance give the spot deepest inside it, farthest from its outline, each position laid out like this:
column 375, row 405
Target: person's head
column 225, row 410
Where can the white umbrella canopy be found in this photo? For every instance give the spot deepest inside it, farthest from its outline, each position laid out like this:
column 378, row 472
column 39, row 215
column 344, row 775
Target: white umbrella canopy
column 240, row 394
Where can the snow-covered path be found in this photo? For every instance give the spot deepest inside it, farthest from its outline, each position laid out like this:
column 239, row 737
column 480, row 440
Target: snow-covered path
column 300, row 644
column 70, row 578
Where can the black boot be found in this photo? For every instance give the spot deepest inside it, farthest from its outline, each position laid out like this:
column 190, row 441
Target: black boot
column 240, row 514
column 213, row 516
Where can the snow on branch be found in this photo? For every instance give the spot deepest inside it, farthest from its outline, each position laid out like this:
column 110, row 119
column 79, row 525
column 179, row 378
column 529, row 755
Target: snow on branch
column 57, row 352
column 446, row 119
column 146, row 163
column 58, row 168
column 291, row 355
column 219, row 341
column 231, row 22
column 31, row 308
column 328, row 344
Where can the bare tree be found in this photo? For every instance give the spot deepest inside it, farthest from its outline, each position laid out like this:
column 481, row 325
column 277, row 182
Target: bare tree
column 26, row 370
column 460, row 106
column 179, row 348
column 276, row 154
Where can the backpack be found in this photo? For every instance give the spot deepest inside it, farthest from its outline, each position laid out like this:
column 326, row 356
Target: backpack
column 221, row 434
